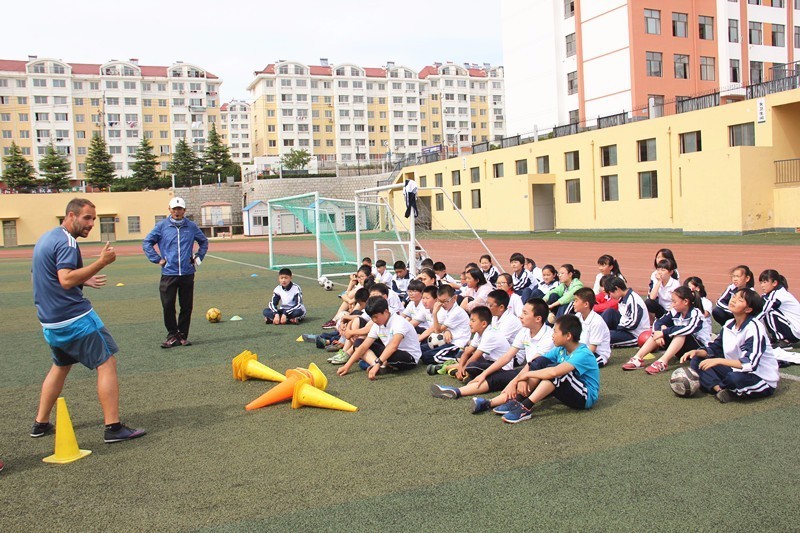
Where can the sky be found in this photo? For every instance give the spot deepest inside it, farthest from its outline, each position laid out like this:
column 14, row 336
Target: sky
column 234, row 38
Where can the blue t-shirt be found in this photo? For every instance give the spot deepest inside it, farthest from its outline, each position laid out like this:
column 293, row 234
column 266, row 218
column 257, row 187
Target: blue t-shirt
column 585, row 365
column 55, row 250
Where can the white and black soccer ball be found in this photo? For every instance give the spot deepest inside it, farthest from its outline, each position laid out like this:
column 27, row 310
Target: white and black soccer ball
column 684, row 382
column 327, row 285
column 321, row 280
column 436, row 340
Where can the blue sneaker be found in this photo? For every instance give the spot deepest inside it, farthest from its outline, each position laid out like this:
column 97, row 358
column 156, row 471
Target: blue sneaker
column 507, row 407
column 520, row 414
column 363, row 365
column 480, row 405
column 440, row 391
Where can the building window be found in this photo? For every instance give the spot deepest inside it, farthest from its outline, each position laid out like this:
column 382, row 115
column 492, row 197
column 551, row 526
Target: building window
column 735, row 75
column 440, row 202
column 797, row 36
column 522, row 166
column 608, row 155
column 778, row 35
column 133, row 225
column 574, row 116
column 573, row 191
column 456, row 174
column 708, row 68
column 572, row 82
column 437, row 179
column 646, row 149
column 655, row 104
column 497, row 170
column 755, row 33
column 652, row 21
column 648, row 184
column 654, row 64
column 756, row 72
column 569, row 8
column 742, row 134
column 733, row 30
column 690, row 142
column 570, row 45
column 706, row 27
column 610, row 188
column 681, row 67
column 543, row 164
column 423, row 181
column 680, row 25
column 475, row 174
column 572, row 160
column 476, row 198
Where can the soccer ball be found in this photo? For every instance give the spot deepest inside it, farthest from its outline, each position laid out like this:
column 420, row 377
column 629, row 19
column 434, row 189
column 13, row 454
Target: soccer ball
column 321, row 280
column 328, row 285
column 684, row 382
column 213, row 315
column 436, row 340
column 643, row 336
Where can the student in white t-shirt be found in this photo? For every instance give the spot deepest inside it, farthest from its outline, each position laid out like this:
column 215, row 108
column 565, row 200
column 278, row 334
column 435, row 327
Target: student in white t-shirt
column 450, row 320
column 415, row 288
column 382, row 274
column 594, row 333
column 659, row 300
column 533, row 339
column 399, row 350
column 423, row 317
column 395, row 305
column 503, row 319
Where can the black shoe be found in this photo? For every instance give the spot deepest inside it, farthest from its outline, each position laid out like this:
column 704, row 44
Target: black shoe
column 171, row 342
column 725, row 396
column 184, row 340
column 40, row 429
column 123, row 433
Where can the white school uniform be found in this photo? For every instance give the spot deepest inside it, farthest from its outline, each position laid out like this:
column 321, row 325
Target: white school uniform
column 515, row 304
column 708, row 321
column 595, row 331
column 782, row 304
column 457, row 323
column 423, row 316
column 531, row 347
column 664, row 296
column 493, row 345
column 507, row 324
column 398, row 325
column 750, row 346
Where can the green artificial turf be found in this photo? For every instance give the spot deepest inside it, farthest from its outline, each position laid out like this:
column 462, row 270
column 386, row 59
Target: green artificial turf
column 642, row 459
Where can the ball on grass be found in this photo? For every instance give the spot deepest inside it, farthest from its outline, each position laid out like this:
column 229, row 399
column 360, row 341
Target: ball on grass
column 328, row 285
column 643, row 336
column 213, row 315
column 321, row 280
column 684, row 382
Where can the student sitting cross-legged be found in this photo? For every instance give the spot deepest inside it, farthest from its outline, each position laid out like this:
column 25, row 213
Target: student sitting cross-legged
column 569, row 372
column 630, row 320
column 286, row 304
column 399, row 349
column 594, row 332
column 450, row 320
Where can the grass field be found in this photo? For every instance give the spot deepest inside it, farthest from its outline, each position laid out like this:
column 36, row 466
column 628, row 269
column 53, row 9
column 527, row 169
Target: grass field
column 642, row 459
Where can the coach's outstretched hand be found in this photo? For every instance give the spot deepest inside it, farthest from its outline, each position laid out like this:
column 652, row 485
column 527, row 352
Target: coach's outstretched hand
column 95, row 282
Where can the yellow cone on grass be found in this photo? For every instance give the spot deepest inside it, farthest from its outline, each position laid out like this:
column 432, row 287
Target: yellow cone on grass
column 307, row 394
column 281, row 392
column 318, row 379
column 67, row 449
column 246, row 366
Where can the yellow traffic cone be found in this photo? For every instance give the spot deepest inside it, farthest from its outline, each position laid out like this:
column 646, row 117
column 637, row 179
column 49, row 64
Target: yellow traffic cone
column 280, row 392
column 250, row 368
column 318, row 379
column 307, row 394
column 299, row 339
column 67, row 449
column 237, row 362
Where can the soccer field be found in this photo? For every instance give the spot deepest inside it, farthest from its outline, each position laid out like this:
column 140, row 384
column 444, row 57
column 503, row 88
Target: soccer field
column 641, row 459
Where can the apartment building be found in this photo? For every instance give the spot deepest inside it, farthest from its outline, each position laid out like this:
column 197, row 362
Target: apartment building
column 348, row 113
column 234, row 129
column 571, row 61
column 46, row 99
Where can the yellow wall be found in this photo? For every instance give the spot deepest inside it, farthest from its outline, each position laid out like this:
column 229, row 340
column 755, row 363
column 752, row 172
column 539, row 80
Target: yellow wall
column 36, row 214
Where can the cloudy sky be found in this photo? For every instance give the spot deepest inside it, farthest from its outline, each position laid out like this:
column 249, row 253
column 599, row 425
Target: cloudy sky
column 233, row 38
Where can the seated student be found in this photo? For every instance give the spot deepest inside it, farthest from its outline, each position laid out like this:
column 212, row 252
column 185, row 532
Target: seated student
column 423, row 317
column 426, row 263
column 548, row 282
column 739, row 364
column 604, row 301
column 395, row 305
column 427, row 277
column 607, row 266
column 569, row 372
column 488, row 269
column 533, row 339
column 351, row 327
column 659, row 299
column 663, row 253
column 367, row 261
column 450, row 320
column 677, row 331
column 362, row 278
column 398, row 350
column 520, row 279
column 534, row 272
column 286, row 304
column 419, row 257
column 400, row 280
column 503, row 319
column 477, row 290
column 560, row 298
column 382, row 275
column 594, row 332
column 781, row 313
column 415, row 288
column 485, row 348
column 504, row 283
column 630, row 320
column 443, row 277
column 706, row 307
column 741, row 278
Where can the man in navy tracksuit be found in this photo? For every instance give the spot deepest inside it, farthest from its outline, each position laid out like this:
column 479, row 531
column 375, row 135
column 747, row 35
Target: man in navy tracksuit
column 175, row 237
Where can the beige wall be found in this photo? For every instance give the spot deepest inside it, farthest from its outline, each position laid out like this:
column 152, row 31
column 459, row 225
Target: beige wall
column 36, row 214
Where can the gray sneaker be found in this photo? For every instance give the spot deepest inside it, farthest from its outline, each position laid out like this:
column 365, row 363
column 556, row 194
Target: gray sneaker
column 123, row 433
column 40, row 429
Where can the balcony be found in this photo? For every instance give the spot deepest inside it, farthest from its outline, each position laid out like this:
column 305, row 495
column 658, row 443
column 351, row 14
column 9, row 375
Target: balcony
column 787, row 171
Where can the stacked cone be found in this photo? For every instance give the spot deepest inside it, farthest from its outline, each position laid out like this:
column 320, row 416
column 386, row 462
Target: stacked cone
column 304, row 387
column 246, row 366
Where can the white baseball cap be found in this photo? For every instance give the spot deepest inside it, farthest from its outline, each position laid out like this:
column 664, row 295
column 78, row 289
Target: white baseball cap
column 177, row 202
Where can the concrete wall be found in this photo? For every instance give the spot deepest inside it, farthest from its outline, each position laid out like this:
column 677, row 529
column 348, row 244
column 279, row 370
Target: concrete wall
column 197, row 196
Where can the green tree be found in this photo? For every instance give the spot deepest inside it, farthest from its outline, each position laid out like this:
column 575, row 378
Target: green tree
column 99, row 165
column 295, row 159
column 216, row 157
column 184, row 163
column 18, row 172
column 55, row 169
column 145, row 166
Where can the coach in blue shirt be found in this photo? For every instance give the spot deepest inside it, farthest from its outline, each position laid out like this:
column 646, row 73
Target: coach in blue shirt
column 175, row 237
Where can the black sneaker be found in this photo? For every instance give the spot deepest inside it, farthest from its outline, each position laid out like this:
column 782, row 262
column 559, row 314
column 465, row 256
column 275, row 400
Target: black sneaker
column 123, row 433
column 184, row 340
column 725, row 396
column 171, row 342
column 40, row 429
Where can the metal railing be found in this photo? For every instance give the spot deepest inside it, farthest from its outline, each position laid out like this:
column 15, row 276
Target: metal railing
column 787, row 171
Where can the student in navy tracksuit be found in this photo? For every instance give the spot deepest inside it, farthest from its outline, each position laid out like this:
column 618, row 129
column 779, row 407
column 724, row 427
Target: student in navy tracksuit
column 630, row 319
column 175, row 237
column 739, row 364
column 741, row 278
column 781, row 312
column 286, row 304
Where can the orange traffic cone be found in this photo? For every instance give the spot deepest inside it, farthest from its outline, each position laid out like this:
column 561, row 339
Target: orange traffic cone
column 246, row 366
column 280, row 392
column 307, row 394
column 67, row 449
column 318, row 379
